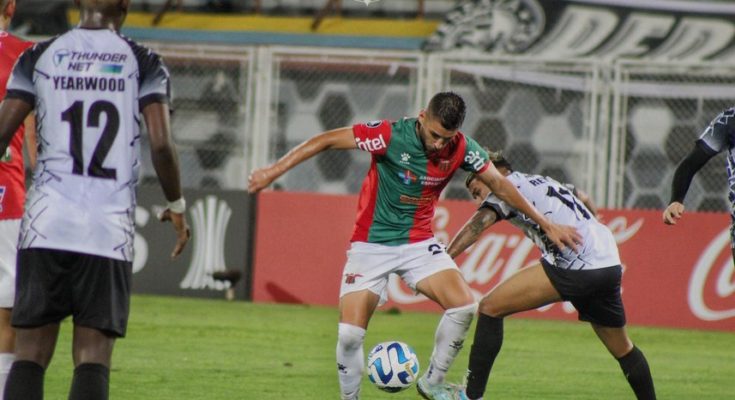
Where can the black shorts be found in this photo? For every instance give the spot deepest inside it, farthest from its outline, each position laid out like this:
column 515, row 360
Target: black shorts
column 595, row 293
column 53, row 284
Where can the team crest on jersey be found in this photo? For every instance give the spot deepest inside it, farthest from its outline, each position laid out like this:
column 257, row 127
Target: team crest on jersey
column 60, row 55
column 374, row 124
column 407, row 177
column 2, row 196
column 405, row 158
column 444, row 165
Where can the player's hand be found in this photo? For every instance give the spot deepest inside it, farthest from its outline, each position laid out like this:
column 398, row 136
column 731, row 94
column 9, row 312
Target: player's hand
column 564, row 236
column 182, row 229
column 260, row 179
column 673, row 213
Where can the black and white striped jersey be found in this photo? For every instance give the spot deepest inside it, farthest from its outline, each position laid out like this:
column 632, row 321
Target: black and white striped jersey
column 558, row 203
column 88, row 87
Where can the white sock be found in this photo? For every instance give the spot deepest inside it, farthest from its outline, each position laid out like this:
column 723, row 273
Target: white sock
column 350, row 359
column 6, row 361
column 448, row 341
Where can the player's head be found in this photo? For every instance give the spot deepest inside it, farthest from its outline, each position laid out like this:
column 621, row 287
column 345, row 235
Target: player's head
column 103, row 11
column 8, row 10
column 478, row 190
column 441, row 120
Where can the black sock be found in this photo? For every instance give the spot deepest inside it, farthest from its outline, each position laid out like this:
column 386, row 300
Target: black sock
column 25, row 381
column 91, row 382
column 635, row 368
column 488, row 340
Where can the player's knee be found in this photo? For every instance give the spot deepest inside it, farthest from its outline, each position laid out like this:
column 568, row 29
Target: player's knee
column 462, row 315
column 489, row 307
column 350, row 336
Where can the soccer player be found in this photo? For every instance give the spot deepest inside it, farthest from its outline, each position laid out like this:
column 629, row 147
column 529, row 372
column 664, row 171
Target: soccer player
column 589, row 278
column 12, row 191
column 715, row 139
column 88, row 87
column 412, row 161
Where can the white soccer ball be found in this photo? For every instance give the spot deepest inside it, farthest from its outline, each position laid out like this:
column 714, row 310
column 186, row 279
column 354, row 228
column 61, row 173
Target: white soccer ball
column 392, row 366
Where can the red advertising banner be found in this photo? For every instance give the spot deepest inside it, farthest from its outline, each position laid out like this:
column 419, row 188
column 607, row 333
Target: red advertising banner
column 676, row 276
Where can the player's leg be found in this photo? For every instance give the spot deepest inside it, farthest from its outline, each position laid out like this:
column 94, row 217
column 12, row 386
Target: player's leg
column 448, row 289
column 92, row 353
column 34, row 348
column 363, row 288
column 41, row 301
column 101, row 292
column 7, row 343
column 355, row 311
column 8, row 241
column 527, row 289
column 631, row 359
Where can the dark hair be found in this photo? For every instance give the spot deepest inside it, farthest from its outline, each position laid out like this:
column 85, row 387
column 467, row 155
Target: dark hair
column 498, row 160
column 449, row 109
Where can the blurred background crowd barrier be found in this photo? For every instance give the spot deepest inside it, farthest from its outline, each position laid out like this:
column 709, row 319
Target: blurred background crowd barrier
column 618, row 130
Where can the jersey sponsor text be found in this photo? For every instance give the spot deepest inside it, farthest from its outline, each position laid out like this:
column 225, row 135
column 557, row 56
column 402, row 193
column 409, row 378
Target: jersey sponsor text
column 371, row 144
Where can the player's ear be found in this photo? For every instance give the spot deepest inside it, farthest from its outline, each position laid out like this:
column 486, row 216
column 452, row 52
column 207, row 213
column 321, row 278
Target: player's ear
column 9, row 10
column 422, row 116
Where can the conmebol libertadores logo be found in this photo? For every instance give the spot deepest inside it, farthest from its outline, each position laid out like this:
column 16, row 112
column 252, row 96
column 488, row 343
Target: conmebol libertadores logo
column 209, row 219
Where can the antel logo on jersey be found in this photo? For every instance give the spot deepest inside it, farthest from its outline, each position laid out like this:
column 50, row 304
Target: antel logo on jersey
column 711, row 293
column 371, row 145
column 476, row 160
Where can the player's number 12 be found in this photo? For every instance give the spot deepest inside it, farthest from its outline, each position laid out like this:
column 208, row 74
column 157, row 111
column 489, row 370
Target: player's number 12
column 74, row 116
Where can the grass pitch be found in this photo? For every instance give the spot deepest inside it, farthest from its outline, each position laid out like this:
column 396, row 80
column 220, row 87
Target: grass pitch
column 206, row 349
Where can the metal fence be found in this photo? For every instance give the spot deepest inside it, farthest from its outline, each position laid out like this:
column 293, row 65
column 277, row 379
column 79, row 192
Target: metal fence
column 212, row 113
column 660, row 109
column 313, row 90
column 617, row 131
column 542, row 114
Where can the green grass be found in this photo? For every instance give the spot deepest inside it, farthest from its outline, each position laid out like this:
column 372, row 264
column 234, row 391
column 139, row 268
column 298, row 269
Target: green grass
column 204, row 349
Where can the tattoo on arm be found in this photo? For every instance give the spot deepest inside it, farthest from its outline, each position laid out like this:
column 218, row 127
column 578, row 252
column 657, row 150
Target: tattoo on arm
column 471, row 231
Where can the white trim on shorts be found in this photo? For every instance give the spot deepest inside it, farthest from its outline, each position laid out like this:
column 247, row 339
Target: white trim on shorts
column 9, row 231
column 369, row 265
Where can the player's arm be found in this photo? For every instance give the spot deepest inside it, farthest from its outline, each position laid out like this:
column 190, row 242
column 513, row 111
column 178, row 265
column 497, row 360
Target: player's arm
column 31, row 139
column 342, row 138
column 586, row 200
column 562, row 235
column 683, row 176
column 483, row 218
column 166, row 164
column 12, row 113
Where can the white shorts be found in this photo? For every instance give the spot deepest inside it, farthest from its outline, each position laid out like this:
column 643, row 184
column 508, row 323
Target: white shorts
column 9, row 230
column 369, row 265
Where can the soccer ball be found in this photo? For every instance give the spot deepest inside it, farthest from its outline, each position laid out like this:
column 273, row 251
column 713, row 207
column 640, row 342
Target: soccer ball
column 392, row 366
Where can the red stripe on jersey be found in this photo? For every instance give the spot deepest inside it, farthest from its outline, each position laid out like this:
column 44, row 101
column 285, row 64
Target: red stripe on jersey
column 366, row 205
column 448, row 161
column 12, row 172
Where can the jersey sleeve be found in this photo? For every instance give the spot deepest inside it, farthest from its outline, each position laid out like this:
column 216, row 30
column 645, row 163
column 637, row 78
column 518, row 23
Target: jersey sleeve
column 373, row 137
column 476, row 158
column 20, row 85
column 155, row 85
column 500, row 207
column 716, row 137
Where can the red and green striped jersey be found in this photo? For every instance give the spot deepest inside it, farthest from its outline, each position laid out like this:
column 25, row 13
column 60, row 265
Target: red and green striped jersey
column 400, row 191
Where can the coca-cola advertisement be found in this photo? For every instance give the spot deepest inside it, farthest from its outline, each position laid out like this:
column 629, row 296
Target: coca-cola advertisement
column 676, row 276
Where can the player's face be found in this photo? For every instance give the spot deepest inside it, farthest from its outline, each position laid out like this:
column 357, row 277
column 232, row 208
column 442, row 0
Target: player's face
column 478, row 190
column 433, row 135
